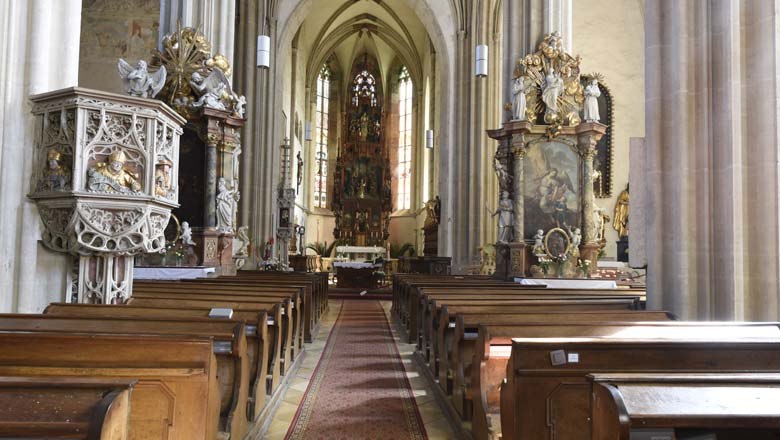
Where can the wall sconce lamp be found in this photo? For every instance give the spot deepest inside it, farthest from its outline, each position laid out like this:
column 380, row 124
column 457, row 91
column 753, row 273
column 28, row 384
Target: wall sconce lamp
column 263, row 51
column 481, row 61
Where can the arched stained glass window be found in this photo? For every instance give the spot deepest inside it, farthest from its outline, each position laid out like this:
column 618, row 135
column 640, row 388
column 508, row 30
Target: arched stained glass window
column 364, row 86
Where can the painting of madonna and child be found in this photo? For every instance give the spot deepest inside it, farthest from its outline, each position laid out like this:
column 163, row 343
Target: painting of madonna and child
column 551, row 190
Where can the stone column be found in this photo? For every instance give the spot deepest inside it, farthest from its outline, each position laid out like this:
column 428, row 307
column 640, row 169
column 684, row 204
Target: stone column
column 518, row 162
column 210, row 191
column 588, row 134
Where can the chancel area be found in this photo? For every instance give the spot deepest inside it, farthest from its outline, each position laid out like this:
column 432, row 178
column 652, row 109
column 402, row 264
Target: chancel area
column 389, row 219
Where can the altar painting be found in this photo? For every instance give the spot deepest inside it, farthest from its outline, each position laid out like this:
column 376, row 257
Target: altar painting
column 551, row 188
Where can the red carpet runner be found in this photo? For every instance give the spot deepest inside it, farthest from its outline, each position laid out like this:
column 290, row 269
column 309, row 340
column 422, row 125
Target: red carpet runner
column 359, row 389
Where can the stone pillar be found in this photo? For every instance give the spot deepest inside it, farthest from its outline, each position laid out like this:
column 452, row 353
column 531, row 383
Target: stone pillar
column 588, row 134
column 518, row 162
column 711, row 155
column 210, row 191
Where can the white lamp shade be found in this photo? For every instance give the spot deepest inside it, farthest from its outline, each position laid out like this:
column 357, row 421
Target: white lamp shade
column 429, row 139
column 263, row 51
column 307, row 131
column 481, row 69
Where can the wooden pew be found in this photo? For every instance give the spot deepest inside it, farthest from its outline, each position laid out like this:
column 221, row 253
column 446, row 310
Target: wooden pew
column 731, row 406
column 263, row 330
column 457, row 333
column 277, row 289
column 318, row 280
column 230, row 350
column 64, row 408
column 177, row 394
column 547, row 395
column 177, row 291
column 432, row 308
column 285, row 359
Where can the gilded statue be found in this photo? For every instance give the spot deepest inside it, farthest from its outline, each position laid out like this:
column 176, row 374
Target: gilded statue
column 111, row 176
column 432, row 213
column 56, row 175
column 138, row 81
column 620, row 222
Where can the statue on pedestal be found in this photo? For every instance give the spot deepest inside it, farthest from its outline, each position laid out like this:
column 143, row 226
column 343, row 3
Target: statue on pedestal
column 226, row 206
column 506, row 218
column 592, row 93
column 620, row 222
column 553, row 87
column 519, row 88
column 212, row 90
column 111, row 176
column 138, row 81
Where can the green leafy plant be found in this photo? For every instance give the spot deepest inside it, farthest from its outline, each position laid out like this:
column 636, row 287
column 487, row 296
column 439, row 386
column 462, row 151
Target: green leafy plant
column 402, row 250
column 322, row 248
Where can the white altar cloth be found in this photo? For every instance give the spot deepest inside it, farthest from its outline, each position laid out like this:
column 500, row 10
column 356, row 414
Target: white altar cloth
column 568, row 284
column 353, row 265
column 172, row 273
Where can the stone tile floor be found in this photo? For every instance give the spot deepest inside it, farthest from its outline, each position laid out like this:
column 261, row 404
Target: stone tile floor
column 436, row 424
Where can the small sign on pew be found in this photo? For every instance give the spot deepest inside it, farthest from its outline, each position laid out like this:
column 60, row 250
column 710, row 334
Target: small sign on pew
column 652, row 434
column 223, row 313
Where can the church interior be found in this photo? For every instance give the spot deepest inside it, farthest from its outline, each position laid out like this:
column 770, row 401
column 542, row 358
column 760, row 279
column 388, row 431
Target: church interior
column 390, row 219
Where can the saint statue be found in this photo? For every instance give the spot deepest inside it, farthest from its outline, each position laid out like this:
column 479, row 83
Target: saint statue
column 600, row 219
column 553, row 87
column 592, row 93
column 519, row 89
column 504, row 178
column 162, row 179
column 620, row 222
column 506, row 218
column 363, row 129
column 226, row 206
column 56, row 175
column 243, row 236
column 111, row 176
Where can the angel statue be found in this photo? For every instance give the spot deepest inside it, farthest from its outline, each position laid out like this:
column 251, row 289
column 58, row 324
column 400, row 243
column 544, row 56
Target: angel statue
column 538, row 248
column 186, row 234
column 553, row 87
column 138, row 81
column 592, row 94
column 506, row 217
column 519, row 89
column 212, row 89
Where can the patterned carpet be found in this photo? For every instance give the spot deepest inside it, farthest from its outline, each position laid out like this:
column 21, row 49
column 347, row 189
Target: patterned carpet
column 359, row 389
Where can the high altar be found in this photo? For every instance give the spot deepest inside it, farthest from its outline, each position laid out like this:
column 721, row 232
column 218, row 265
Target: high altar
column 544, row 164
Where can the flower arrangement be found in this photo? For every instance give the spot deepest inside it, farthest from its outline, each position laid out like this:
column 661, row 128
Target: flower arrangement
column 584, row 267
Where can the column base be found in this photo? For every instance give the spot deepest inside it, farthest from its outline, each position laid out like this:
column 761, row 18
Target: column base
column 590, row 251
column 207, row 246
column 511, row 260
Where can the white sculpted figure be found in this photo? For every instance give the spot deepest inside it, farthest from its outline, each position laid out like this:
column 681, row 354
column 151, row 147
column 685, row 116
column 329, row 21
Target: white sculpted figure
column 592, row 93
column 239, row 104
column 519, row 89
column 506, row 218
column 599, row 218
column 504, row 178
column 186, row 234
column 553, row 87
column 226, row 206
column 213, row 89
column 538, row 242
column 576, row 239
column 138, row 81
column 243, row 236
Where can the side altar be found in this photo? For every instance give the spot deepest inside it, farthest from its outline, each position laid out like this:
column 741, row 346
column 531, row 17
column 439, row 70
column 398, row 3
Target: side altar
column 544, row 163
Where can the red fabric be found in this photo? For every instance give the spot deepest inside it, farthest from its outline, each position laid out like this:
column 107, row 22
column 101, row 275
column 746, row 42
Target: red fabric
column 359, row 389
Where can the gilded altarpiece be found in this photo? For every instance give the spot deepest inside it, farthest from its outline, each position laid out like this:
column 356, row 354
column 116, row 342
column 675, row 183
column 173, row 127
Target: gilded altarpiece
column 362, row 199
column 545, row 165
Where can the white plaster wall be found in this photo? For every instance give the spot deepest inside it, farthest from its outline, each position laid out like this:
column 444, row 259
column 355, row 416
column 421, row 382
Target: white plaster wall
column 609, row 34
column 37, row 35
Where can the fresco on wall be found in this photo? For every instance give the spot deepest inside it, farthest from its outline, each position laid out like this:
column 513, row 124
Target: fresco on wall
column 115, row 29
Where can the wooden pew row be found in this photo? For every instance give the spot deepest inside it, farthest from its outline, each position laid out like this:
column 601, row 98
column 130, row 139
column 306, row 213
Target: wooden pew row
column 402, row 283
column 229, row 346
column 263, row 331
column 547, row 392
column 243, row 294
column 459, row 355
column 177, row 394
column 431, row 302
column 64, row 408
column 285, row 358
column 724, row 406
column 423, row 295
column 457, row 333
column 311, row 305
